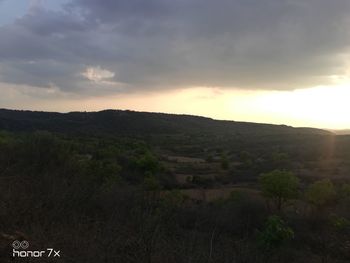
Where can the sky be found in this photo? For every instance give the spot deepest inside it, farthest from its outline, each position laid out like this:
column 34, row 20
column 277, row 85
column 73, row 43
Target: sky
column 270, row 61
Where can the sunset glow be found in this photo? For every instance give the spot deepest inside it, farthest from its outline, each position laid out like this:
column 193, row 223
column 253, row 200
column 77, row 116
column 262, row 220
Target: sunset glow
column 267, row 69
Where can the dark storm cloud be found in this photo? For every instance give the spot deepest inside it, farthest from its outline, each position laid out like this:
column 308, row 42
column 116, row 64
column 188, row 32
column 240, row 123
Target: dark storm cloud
column 267, row 44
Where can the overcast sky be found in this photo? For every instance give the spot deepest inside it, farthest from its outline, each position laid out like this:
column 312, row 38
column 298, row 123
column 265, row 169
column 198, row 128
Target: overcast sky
column 67, row 55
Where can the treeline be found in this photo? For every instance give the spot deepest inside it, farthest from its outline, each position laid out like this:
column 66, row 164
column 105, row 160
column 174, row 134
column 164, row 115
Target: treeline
column 137, row 124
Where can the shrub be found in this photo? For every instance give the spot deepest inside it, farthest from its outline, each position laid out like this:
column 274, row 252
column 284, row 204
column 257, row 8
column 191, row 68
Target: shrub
column 275, row 233
column 321, row 193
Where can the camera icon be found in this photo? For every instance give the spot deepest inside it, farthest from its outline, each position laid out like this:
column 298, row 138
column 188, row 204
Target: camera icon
column 20, row 244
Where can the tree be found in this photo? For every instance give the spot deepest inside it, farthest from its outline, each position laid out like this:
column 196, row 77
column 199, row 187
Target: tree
column 321, row 193
column 280, row 186
column 148, row 163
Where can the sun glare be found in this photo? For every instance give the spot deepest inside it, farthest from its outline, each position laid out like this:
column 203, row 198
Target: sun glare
column 320, row 106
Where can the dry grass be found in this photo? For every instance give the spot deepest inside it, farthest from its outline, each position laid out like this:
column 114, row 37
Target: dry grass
column 218, row 193
column 183, row 159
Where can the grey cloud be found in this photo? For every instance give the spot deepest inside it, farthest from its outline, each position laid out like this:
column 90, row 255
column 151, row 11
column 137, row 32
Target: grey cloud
column 266, row 44
column 44, row 22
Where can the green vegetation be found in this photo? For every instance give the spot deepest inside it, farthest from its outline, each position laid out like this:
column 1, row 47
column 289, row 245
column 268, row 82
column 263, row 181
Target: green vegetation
column 136, row 187
column 321, row 193
column 275, row 233
column 280, row 186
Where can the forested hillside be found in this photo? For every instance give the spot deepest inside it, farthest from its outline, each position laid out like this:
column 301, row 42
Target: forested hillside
column 126, row 122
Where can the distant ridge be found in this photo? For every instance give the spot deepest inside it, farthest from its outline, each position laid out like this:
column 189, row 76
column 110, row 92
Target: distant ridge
column 136, row 123
column 341, row 132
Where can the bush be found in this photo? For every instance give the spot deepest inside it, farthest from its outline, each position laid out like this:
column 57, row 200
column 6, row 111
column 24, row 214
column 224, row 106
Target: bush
column 275, row 233
column 321, row 193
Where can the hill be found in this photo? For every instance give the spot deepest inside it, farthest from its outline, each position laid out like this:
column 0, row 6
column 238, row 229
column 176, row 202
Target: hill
column 136, row 123
column 341, row 132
